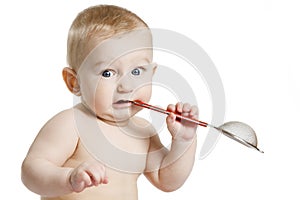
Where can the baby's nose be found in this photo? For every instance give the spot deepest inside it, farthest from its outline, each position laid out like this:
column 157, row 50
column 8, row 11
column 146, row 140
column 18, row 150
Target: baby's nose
column 125, row 85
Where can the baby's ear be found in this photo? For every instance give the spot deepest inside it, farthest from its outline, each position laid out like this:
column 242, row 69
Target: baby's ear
column 154, row 67
column 70, row 78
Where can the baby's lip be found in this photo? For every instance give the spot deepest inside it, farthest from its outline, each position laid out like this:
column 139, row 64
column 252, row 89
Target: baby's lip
column 119, row 104
column 122, row 101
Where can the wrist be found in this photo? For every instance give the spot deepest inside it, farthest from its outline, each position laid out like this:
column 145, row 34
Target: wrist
column 178, row 149
column 68, row 182
column 181, row 144
column 183, row 139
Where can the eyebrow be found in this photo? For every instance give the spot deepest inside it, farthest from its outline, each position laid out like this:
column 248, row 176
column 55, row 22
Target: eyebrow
column 135, row 61
column 100, row 64
column 141, row 61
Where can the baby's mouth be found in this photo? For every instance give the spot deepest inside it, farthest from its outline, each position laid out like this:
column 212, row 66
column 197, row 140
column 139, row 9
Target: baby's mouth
column 122, row 103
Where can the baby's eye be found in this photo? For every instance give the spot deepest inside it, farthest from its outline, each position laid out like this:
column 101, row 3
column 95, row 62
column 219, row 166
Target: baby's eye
column 108, row 73
column 137, row 71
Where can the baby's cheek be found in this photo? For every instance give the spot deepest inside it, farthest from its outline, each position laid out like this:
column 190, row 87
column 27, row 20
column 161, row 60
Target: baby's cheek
column 144, row 93
column 104, row 96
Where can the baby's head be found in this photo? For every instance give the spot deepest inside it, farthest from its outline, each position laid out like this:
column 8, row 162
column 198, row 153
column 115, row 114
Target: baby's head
column 109, row 56
column 95, row 24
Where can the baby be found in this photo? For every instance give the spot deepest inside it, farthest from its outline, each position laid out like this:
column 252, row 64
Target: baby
column 110, row 65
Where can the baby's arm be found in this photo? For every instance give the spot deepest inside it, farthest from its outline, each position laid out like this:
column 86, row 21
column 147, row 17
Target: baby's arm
column 168, row 170
column 42, row 170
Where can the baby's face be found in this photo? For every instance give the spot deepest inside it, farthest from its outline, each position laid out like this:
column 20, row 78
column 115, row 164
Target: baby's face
column 117, row 70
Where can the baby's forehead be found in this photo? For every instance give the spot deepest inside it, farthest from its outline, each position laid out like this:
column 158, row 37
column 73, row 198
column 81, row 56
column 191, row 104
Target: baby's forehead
column 134, row 42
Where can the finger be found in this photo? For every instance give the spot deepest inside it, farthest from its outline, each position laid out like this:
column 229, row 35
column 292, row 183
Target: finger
column 87, row 180
column 95, row 177
column 80, row 181
column 78, row 187
column 82, row 177
column 171, row 118
column 194, row 111
column 172, row 125
column 186, row 107
column 101, row 170
column 171, row 108
column 105, row 180
column 179, row 106
column 97, row 173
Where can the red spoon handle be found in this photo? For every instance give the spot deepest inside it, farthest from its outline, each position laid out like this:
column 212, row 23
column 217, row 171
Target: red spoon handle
column 157, row 109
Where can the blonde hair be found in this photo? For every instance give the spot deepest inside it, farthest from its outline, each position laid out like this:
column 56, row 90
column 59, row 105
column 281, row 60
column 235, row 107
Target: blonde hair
column 95, row 24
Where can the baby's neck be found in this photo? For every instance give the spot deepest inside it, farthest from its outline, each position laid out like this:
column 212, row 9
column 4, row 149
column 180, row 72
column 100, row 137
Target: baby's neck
column 114, row 122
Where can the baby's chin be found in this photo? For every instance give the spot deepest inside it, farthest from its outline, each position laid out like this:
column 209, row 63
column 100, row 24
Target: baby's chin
column 118, row 117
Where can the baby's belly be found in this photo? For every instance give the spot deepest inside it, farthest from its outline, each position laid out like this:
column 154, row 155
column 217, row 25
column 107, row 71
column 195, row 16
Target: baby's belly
column 120, row 185
column 123, row 188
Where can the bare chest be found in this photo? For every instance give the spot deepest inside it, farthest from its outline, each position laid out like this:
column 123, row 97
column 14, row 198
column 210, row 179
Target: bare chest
column 118, row 149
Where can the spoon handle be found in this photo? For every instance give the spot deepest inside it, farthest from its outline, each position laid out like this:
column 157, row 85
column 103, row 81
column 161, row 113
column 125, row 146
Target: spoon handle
column 157, row 109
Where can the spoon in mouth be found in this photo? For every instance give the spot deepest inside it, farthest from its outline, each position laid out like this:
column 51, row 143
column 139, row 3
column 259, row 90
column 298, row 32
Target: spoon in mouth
column 235, row 130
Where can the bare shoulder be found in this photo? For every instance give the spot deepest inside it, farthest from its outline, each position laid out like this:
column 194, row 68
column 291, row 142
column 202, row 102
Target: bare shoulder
column 62, row 124
column 57, row 139
column 143, row 127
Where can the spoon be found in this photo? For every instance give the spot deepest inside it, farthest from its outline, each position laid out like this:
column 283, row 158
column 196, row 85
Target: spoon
column 235, row 130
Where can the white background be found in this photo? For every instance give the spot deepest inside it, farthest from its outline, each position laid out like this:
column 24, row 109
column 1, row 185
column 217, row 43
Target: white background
column 255, row 46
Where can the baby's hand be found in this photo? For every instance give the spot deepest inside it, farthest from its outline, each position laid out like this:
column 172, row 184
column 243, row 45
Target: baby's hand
column 181, row 129
column 91, row 173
